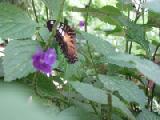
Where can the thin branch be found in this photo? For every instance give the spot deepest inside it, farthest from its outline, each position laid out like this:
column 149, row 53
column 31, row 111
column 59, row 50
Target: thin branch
column 56, row 23
column 34, row 10
column 90, row 54
column 135, row 21
column 47, row 13
column 109, row 106
column 155, row 53
column 127, row 41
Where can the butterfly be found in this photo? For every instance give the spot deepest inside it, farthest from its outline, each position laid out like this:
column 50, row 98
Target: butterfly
column 66, row 37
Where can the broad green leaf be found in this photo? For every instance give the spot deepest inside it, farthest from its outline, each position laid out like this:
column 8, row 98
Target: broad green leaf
column 136, row 33
column 124, row 5
column 45, row 84
column 100, row 45
column 146, row 115
column 149, row 69
column 104, row 48
column 127, row 89
column 153, row 19
column 76, row 70
column 15, row 23
column 90, row 92
column 45, row 33
column 118, row 104
column 125, row 1
column 18, row 59
column 100, row 96
column 74, row 113
column 122, row 63
column 146, row 67
column 116, row 117
column 108, row 14
column 54, row 6
column 71, row 70
column 118, row 31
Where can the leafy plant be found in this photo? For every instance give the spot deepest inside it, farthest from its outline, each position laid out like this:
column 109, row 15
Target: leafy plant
column 105, row 83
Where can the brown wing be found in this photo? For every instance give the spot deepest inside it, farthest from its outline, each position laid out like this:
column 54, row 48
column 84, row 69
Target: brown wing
column 66, row 37
column 67, row 41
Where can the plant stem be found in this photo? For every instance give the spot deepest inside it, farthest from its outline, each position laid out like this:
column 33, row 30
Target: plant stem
column 126, row 48
column 34, row 10
column 93, row 64
column 109, row 106
column 135, row 21
column 90, row 54
column 86, row 17
column 158, row 46
column 35, row 14
column 94, row 108
column 47, row 14
column 56, row 23
column 86, row 29
column 130, row 47
column 127, row 42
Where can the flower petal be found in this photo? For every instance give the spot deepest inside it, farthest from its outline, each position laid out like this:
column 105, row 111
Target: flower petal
column 50, row 56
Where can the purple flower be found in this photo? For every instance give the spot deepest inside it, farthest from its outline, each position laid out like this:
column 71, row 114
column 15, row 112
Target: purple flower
column 43, row 60
column 81, row 23
column 50, row 56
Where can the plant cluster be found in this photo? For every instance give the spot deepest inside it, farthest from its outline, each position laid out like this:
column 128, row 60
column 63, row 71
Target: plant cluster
column 85, row 75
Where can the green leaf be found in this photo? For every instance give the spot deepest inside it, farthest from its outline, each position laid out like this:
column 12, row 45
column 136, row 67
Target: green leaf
column 122, row 63
column 118, row 31
column 124, row 5
column 100, row 96
column 118, row 104
column 146, row 115
column 100, row 45
column 15, row 23
column 18, row 59
column 90, row 92
column 127, row 89
column 146, row 67
column 104, row 48
column 108, row 14
column 73, row 113
column 45, row 33
column 116, row 117
column 136, row 33
column 153, row 19
column 54, row 6
column 149, row 69
column 71, row 70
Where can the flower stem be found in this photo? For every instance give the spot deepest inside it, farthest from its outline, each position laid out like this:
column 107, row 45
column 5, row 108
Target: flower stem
column 109, row 106
column 85, row 29
column 56, row 23
column 34, row 10
column 47, row 12
column 90, row 54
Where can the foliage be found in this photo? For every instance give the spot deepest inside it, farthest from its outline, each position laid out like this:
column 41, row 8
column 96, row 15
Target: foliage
column 17, row 61
column 113, row 77
column 15, row 23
